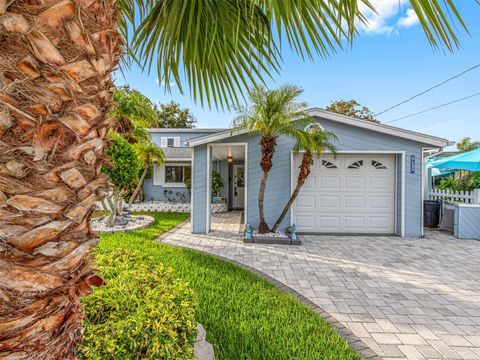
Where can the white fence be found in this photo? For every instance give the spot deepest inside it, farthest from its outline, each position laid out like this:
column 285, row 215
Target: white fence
column 469, row 197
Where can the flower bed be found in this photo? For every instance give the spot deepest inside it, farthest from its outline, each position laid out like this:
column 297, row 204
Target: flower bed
column 144, row 311
column 164, row 206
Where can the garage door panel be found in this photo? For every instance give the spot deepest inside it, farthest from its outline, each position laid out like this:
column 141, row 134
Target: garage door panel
column 330, row 223
column 380, row 223
column 381, row 202
column 355, row 183
column 330, row 201
column 380, row 183
column 330, row 182
column 349, row 194
column 357, row 223
column 311, row 182
column 307, row 201
column 306, row 222
column 354, row 201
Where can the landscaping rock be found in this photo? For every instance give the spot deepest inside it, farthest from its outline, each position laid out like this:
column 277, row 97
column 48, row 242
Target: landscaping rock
column 134, row 223
column 203, row 350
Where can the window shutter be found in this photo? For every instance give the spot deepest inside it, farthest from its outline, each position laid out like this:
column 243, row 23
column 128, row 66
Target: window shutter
column 176, row 142
column 158, row 174
column 163, row 142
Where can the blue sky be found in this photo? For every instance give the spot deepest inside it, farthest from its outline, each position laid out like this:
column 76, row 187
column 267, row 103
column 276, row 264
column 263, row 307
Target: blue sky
column 390, row 61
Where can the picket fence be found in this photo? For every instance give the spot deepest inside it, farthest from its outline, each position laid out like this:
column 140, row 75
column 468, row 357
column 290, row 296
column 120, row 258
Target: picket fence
column 469, row 197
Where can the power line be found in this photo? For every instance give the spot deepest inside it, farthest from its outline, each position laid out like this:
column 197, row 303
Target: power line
column 433, row 108
column 429, row 89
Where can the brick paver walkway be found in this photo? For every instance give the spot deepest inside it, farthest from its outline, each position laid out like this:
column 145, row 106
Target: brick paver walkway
column 405, row 298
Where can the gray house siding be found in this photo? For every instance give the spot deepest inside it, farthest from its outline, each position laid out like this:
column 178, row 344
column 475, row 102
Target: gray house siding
column 199, row 186
column 157, row 192
column 467, row 225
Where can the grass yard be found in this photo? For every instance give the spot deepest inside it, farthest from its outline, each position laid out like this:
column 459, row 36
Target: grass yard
column 245, row 316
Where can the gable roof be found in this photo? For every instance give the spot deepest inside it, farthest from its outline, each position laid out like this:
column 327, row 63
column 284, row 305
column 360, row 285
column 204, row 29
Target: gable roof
column 185, row 130
column 347, row 120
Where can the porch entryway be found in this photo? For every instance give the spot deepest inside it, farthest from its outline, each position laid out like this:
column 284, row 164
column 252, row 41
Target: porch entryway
column 227, row 223
column 226, row 184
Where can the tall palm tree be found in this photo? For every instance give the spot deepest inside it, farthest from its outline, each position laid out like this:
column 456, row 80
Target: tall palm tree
column 149, row 154
column 316, row 142
column 272, row 113
column 56, row 89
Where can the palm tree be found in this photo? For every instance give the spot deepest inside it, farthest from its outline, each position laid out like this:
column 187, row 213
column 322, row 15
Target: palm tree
column 149, row 154
column 56, row 91
column 272, row 113
column 316, row 142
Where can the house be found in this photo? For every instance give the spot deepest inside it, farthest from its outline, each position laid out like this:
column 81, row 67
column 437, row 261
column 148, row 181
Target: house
column 167, row 182
column 373, row 186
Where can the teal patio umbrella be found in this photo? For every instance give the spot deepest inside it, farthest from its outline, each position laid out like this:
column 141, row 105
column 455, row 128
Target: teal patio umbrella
column 465, row 161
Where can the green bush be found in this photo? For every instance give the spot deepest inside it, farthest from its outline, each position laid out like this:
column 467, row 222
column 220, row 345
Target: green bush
column 467, row 182
column 143, row 311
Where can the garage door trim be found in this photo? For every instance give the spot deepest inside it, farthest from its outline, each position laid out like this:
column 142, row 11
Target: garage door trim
column 372, row 152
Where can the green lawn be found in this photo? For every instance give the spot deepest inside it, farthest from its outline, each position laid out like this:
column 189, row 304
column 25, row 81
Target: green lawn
column 245, row 316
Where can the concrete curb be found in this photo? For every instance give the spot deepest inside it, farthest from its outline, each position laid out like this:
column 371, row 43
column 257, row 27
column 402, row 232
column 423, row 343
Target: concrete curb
column 352, row 340
column 203, row 350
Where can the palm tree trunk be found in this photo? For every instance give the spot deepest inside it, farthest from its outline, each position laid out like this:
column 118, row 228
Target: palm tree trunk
column 263, row 226
column 55, row 63
column 139, row 186
column 305, row 168
column 267, row 144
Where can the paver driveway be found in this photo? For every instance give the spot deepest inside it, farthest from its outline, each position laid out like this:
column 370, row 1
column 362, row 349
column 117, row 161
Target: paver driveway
column 405, row 298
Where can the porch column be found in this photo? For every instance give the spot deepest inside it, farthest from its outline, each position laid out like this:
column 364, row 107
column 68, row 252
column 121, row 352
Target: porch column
column 199, row 189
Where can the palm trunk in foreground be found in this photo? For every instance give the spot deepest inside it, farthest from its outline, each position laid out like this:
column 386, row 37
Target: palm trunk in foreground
column 55, row 63
column 139, row 186
column 267, row 145
column 305, row 168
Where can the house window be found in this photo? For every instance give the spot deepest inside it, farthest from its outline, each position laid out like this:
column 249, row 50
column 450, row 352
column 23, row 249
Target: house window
column 170, row 142
column 356, row 164
column 328, row 164
column 378, row 165
column 177, row 173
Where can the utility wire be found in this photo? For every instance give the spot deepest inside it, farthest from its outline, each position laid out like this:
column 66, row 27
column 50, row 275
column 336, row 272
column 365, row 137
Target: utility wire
column 433, row 108
column 429, row 89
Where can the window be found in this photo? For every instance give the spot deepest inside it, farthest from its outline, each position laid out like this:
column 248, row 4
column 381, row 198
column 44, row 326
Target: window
column 177, row 173
column 169, row 142
column 356, row 164
column 378, row 165
column 328, row 164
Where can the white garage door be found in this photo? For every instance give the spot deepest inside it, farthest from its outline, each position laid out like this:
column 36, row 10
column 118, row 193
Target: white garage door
column 349, row 194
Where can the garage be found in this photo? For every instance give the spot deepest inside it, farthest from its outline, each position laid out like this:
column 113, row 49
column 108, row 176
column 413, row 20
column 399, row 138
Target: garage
column 352, row 193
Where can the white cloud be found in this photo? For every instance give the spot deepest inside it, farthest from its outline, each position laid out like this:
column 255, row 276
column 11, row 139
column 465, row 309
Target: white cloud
column 410, row 19
column 163, row 83
column 389, row 16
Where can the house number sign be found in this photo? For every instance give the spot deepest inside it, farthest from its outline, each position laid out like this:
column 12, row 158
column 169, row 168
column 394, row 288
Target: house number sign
column 412, row 164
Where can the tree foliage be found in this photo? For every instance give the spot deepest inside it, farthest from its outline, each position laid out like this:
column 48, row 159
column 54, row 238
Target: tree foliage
column 351, row 108
column 171, row 115
column 466, row 144
column 126, row 166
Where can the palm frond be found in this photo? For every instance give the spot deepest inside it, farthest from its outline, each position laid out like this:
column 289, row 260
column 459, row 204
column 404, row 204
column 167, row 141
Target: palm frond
column 219, row 48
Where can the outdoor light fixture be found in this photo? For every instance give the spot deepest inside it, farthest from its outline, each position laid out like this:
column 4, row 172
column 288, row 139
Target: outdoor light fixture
column 230, row 159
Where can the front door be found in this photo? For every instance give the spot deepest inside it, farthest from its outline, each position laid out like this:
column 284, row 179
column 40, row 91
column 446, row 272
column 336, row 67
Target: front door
column 238, row 186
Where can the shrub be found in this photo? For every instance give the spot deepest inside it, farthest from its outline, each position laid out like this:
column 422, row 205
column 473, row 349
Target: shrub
column 143, row 311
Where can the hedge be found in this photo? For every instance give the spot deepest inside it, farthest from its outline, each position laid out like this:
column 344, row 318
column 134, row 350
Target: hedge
column 143, row 311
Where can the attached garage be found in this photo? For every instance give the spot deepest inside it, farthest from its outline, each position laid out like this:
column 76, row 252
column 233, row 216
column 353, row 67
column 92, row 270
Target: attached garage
column 350, row 193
